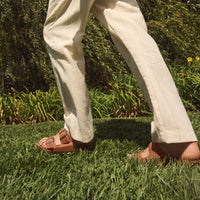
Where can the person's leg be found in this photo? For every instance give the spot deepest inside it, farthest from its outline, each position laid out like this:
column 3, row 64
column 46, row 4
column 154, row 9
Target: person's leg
column 63, row 33
column 171, row 124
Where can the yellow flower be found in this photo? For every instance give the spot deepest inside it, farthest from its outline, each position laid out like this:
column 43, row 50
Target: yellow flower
column 189, row 59
column 197, row 58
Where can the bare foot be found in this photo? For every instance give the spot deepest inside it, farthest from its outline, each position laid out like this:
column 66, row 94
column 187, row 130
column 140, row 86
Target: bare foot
column 160, row 151
column 186, row 151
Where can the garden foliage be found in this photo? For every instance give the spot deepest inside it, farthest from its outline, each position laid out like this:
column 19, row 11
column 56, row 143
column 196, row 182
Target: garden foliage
column 24, row 63
column 124, row 99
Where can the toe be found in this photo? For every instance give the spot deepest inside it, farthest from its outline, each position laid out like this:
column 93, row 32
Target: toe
column 130, row 156
column 42, row 141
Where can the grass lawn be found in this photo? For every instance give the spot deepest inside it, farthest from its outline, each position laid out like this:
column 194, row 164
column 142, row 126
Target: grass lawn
column 105, row 173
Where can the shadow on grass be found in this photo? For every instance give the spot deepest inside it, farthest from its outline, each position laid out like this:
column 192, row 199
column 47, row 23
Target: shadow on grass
column 124, row 129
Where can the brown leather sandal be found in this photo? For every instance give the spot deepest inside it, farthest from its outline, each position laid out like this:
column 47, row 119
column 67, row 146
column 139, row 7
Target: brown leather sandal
column 62, row 142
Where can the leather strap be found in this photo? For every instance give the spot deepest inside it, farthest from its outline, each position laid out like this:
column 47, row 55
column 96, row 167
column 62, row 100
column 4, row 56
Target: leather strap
column 57, row 139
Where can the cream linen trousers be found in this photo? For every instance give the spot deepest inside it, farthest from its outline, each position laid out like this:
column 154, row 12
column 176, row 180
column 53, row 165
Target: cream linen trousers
column 63, row 33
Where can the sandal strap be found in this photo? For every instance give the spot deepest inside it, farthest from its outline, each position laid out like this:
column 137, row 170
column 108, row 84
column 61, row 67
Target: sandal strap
column 57, row 139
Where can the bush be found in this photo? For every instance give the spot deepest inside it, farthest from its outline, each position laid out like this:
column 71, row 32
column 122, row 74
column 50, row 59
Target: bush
column 124, row 99
column 103, row 62
column 187, row 79
column 175, row 25
column 30, row 107
column 24, row 62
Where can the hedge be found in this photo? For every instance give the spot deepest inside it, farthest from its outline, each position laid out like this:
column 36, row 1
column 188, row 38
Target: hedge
column 25, row 65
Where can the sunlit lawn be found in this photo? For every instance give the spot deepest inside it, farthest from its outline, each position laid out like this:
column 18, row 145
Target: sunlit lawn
column 105, row 173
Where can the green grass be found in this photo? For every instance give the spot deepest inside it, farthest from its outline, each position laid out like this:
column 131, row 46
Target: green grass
column 105, row 173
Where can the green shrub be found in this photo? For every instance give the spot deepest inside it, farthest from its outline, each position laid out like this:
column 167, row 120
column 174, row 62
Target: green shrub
column 103, row 62
column 30, row 107
column 24, row 63
column 123, row 99
column 175, row 25
column 187, row 79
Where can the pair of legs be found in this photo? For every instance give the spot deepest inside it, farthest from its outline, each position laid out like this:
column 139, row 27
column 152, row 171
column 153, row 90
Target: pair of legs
column 64, row 28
